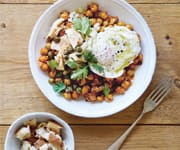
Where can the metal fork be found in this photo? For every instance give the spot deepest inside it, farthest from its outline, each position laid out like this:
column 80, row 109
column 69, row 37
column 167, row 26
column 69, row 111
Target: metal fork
column 151, row 102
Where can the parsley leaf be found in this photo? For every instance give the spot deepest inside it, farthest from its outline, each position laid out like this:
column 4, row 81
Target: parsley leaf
column 80, row 73
column 89, row 56
column 82, row 25
column 106, row 90
column 72, row 64
column 59, row 87
column 97, row 67
column 52, row 64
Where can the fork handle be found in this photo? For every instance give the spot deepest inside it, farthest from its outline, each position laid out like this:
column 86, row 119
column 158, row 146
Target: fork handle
column 118, row 143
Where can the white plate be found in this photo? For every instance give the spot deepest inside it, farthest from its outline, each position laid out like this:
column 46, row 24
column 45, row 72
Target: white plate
column 143, row 74
column 12, row 142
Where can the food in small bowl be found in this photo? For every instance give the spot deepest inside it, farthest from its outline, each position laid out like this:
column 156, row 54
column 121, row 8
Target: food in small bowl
column 90, row 53
column 40, row 135
column 39, row 131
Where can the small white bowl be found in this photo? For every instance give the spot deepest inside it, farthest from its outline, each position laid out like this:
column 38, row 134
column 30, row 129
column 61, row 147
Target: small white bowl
column 11, row 142
column 143, row 74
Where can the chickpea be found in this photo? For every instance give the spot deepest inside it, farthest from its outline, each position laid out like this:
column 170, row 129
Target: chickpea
column 130, row 27
column 109, row 97
column 89, row 13
column 100, row 21
column 75, row 95
column 121, row 23
column 101, row 29
column 100, row 98
column 120, row 79
column 58, row 80
column 93, row 21
column 119, row 90
column 44, row 67
column 85, row 89
column 82, row 82
column 67, row 81
column 103, row 15
column 94, row 7
column 51, row 80
column 126, row 84
column 64, row 15
column 90, row 77
column 44, row 51
column 113, row 20
column 132, row 66
column 52, row 74
column 97, row 89
column 48, row 46
column 67, row 95
column 110, row 26
column 130, row 73
column 105, row 23
column 43, row 59
column 91, row 97
column 140, row 57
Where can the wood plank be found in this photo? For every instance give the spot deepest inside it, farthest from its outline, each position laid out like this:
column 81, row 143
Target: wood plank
column 19, row 92
column 100, row 137
column 51, row 1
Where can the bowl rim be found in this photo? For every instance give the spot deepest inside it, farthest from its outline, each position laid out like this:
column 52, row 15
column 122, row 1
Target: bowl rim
column 45, row 114
column 102, row 114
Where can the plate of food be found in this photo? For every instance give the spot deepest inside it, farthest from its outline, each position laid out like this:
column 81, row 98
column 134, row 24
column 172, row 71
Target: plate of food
column 92, row 59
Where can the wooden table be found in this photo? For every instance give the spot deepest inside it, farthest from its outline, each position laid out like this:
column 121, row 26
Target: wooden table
column 19, row 93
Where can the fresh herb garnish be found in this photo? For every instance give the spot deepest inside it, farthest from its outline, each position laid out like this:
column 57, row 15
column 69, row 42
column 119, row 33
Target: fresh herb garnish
column 52, row 64
column 59, row 87
column 97, row 67
column 82, row 25
column 80, row 73
column 89, row 56
column 106, row 90
column 72, row 64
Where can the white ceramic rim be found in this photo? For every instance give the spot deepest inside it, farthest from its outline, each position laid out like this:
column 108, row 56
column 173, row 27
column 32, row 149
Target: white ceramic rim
column 150, row 73
column 63, row 123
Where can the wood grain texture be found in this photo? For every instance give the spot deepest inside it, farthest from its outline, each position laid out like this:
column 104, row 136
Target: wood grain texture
column 20, row 95
column 51, row 1
column 100, row 137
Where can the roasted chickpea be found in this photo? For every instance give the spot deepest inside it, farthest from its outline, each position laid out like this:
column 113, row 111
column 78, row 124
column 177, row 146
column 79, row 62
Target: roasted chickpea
column 44, row 67
column 51, row 80
column 90, row 77
column 100, row 98
column 132, row 66
column 43, row 59
column 94, row 7
column 64, row 15
column 140, row 57
column 89, row 13
column 130, row 73
column 100, row 21
column 97, row 89
column 48, row 46
column 58, row 80
column 101, row 29
column 68, row 24
column 109, row 97
column 130, row 27
column 67, row 81
column 52, row 74
column 85, row 89
column 113, row 20
column 82, row 82
column 121, row 23
column 91, row 97
column 120, row 79
column 93, row 21
column 67, row 95
column 44, row 51
column 103, row 15
column 126, row 84
column 75, row 95
column 120, row 90
column 105, row 23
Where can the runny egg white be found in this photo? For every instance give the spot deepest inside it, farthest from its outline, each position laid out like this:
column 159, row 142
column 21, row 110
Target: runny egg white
column 115, row 49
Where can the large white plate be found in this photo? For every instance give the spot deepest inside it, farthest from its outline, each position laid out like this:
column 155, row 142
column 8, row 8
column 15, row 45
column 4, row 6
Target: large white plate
column 143, row 74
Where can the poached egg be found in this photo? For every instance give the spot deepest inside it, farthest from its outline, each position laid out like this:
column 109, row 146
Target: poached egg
column 115, row 49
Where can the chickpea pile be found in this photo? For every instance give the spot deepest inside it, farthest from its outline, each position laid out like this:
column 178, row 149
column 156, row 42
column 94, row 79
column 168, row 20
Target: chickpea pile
column 91, row 88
